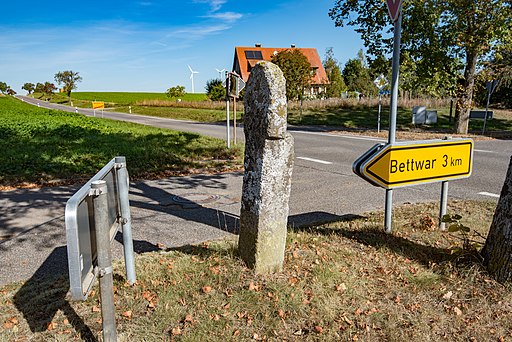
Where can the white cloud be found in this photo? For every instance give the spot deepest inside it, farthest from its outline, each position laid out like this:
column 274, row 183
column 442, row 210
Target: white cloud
column 215, row 5
column 226, row 16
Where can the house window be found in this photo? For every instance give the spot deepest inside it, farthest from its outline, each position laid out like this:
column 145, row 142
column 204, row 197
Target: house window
column 249, row 54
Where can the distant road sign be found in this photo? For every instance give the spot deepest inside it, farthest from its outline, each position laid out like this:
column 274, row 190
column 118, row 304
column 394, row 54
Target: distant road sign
column 380, row 82
column 394, row 7
column 98, row 105
column 416, row 162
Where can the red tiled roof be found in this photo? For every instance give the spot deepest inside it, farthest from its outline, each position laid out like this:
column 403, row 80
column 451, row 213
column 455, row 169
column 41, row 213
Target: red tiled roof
column 242, row 65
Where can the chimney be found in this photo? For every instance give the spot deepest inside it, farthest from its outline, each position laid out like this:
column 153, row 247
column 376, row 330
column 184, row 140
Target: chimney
column 293, row 46
column 257, row 45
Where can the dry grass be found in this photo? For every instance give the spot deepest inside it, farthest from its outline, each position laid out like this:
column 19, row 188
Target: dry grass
column 343, row 281
column 220, row 105
column 337, row 103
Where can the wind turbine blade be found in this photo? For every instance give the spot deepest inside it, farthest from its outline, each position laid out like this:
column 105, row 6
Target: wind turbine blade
column 190, row 68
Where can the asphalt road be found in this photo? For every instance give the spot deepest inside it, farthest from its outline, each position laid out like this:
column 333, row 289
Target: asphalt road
column 180, row 210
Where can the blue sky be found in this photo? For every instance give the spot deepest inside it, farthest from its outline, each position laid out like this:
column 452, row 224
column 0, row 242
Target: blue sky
column 146, row 45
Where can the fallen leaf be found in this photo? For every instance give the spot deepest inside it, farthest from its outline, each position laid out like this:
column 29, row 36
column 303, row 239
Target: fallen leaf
column 176, row 331
column 281, row 313
column 127, row 314
column 236, row 333
column 319, row 329
column 188, row 318
column 207, row 289
column 457, row 311
column 448, row 295
column 341, row 287
column 8, row 325
column 253, row 287
column 66, row 321
column 51, row 326
column 95, row 309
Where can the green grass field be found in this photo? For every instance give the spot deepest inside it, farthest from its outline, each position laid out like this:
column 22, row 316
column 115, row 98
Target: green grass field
column 129, row 98
column 40, row 145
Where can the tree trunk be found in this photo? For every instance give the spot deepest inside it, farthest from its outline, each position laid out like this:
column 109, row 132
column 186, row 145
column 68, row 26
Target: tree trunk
column 465, row 94
column 497, row 251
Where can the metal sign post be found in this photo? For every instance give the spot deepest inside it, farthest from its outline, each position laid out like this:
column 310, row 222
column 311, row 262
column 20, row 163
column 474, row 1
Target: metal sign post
column 491, row 86
column 101, row 225
column 227, row 83
column 380, row 82
column 394, row 8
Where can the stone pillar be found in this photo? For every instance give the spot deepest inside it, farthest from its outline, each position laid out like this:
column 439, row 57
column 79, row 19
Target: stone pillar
column 268, row 167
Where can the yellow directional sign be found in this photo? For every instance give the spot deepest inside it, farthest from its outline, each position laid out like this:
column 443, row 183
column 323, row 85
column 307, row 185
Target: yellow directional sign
column 417, row 162
column 98, row 105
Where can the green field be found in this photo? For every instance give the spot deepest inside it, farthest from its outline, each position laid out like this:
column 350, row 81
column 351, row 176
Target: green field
column 40, row 145
column 129, row 98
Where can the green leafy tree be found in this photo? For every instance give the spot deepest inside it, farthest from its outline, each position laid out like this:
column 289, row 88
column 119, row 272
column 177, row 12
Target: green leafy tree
column 438, row 34
column 68, row 79
column 3, row 87
column 39, row 88
column 336, row 83
column 215, row 90
column 29, row 87
column 296, row 70
column 357, row 77
column 174, row 92
column 10, row 91
column 47, row 90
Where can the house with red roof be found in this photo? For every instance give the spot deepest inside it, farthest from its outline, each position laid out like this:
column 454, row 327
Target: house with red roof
column 247, row 57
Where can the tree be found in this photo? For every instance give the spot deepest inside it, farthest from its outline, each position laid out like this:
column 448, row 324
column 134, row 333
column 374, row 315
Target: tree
column 29, row 87
column 215, row 90
column 438, row 34
column 10, row 91
column 357, row 77
column 177, row 91
column 48, row 89
column 332, row 69
column 497, row 251
column 3, row 87
column 39, row 88
column 68, row 79
column 296, row 70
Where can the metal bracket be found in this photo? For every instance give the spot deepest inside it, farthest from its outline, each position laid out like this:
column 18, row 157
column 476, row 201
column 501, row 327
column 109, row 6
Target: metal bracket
column 94, row 192
column 122, row 220
column 105, row 271
column 119, row 165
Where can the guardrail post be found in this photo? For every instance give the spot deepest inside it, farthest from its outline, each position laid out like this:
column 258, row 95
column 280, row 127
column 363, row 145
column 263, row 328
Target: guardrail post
column 126, row 220
column 100, row 205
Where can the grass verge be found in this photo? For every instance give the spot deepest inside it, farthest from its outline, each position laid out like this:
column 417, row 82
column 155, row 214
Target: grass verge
column 40, row 146
column 343, row 281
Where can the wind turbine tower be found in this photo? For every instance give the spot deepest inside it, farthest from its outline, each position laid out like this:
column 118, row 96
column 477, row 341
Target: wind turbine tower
column 220, row 72
column 192, row 72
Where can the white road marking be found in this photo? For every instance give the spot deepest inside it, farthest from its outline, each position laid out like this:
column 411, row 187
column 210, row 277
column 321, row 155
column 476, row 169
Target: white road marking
column 489, row 194
column 340, row 136
column 315, row 160
column 484, row 151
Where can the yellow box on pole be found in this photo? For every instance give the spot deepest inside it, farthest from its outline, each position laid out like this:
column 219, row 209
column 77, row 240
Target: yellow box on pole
column 98, row 105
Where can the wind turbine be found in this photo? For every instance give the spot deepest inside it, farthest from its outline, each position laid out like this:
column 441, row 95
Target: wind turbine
column 192, row 72
column 220, row 72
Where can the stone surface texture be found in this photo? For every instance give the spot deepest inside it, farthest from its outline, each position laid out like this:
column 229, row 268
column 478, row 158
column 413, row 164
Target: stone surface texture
column 268, row 167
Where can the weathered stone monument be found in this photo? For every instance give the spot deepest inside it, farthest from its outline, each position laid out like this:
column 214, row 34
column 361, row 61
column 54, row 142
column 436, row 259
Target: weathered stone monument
column 268, row 167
